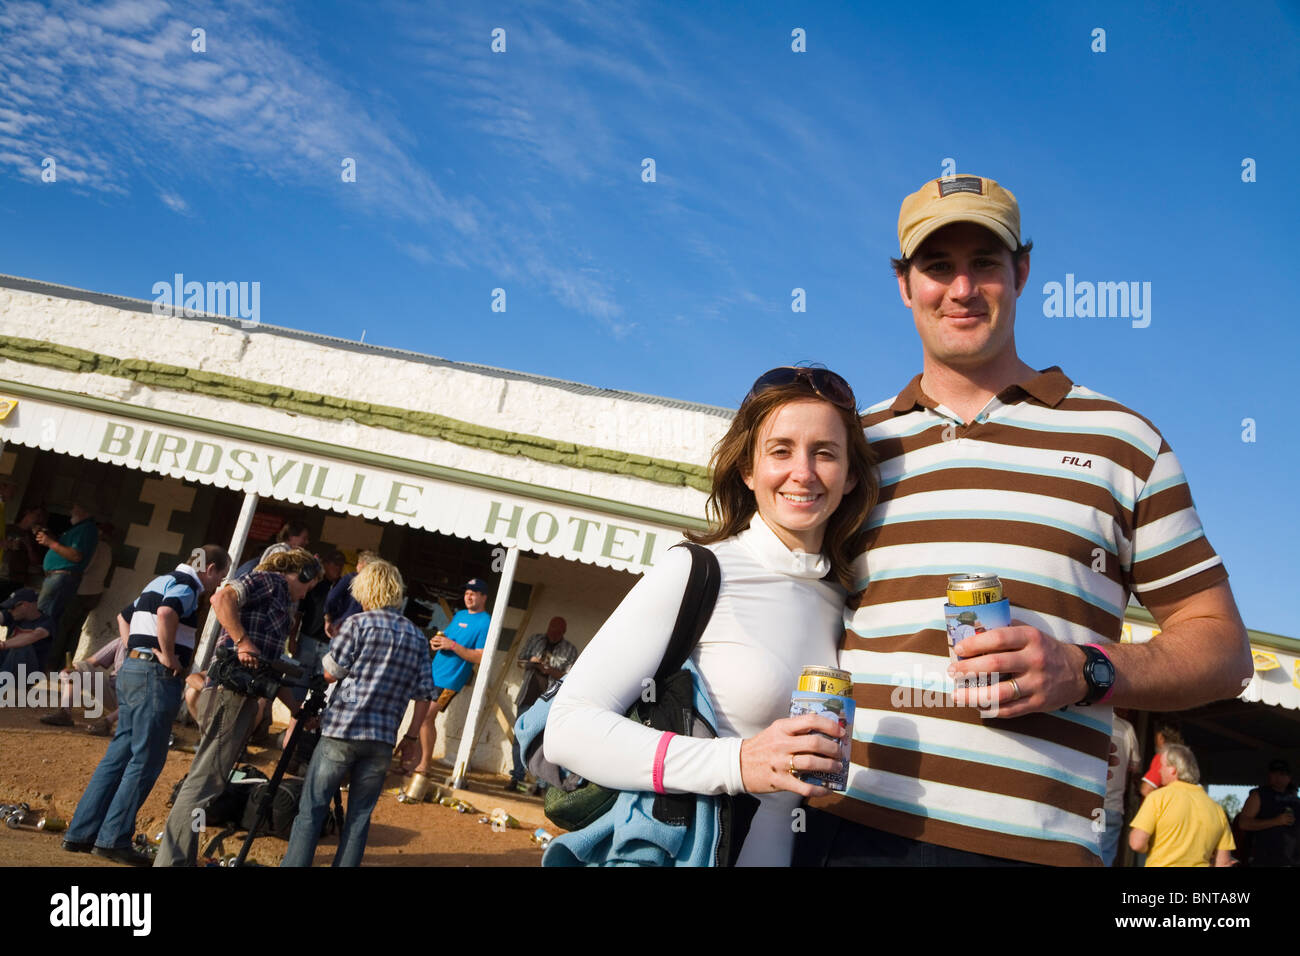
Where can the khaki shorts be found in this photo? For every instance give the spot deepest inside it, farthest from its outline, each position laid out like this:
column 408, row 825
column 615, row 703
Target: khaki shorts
column 442, row 698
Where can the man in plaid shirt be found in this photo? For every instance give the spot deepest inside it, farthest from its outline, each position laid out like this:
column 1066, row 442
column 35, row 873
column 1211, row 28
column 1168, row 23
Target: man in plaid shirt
column 545, row 658
column 381, row 661
column 255, row 617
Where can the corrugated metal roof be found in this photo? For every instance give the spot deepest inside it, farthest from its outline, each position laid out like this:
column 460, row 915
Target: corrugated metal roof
column 21, row 284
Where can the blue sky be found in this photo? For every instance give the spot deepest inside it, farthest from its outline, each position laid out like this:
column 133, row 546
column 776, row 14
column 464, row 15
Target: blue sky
column 774, row 170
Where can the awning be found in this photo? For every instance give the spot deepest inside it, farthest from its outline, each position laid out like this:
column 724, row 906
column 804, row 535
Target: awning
column 1276, row 680
column 316, row 479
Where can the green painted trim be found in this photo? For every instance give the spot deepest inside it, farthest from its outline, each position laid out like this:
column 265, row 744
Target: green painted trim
column 1279, row 641
column 372, row 459
column 329, row 407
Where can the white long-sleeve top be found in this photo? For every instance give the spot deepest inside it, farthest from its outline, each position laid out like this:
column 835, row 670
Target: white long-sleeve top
column 774, row 615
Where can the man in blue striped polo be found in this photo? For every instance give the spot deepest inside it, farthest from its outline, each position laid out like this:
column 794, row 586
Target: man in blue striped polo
column 158, row 628
column 989, row 465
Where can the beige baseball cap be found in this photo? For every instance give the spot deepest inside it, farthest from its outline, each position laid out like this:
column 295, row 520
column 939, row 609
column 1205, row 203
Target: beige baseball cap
column 950, row 199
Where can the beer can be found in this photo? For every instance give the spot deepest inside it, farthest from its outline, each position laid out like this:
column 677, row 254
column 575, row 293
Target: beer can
column 975, row 605
column 826, row 680
column 827, row 692
column 966, row 590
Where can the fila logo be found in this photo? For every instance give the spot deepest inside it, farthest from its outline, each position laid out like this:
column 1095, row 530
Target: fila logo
column 1071, row 460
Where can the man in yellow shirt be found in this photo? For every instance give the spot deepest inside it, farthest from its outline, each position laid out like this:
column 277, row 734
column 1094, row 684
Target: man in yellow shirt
column 1178, row 824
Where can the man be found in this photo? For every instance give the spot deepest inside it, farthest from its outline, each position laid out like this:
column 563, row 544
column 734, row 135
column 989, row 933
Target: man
column 1124, row 763
column 1270, row 817
column 1167, row 732
column 24, row 554
column 1179, row 825
column 159, row 634
column 1076, row 503
column 545, row 658
column 73, row 682
column 28, row 632
column 86, row 599
column 458, row 648
column 255, row 619
column 340, row 605
column 292, row 535
column 65, row 561
column 8, row 492
column 381, row 659
column 311, row 642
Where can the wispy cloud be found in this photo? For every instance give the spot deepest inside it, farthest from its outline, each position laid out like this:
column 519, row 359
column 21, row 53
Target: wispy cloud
column 117, row 95
column 174, row 202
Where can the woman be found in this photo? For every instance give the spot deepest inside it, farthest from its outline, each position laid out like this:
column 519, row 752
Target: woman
column 793, row 481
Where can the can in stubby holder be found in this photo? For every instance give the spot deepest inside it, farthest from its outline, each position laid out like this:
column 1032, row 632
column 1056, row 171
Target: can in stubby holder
column 827, row 692
column 975, row 605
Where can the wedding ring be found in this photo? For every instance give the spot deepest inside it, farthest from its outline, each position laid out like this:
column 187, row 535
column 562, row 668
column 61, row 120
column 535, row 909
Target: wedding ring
column 793, row 772
column 1015, row 690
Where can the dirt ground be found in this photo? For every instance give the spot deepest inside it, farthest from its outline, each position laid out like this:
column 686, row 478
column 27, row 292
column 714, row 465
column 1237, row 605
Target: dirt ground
column 49, row 767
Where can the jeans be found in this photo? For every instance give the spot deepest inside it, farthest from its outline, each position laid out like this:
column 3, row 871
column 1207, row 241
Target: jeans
column 368, row 761
column 1110, row 837
column 57, row 590
column 832, row 841
column 517, row 770
column 27, row 657
column 227, row 720
column 68, row 638
column 148, row 698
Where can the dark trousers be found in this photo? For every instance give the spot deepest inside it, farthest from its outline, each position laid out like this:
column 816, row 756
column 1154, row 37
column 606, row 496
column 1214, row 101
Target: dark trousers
column 68, row 638
column 833, row 841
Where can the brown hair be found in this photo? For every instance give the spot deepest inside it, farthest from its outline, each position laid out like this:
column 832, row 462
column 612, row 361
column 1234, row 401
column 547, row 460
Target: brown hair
column 289, row 562
column 903, row 267
column 731, row 504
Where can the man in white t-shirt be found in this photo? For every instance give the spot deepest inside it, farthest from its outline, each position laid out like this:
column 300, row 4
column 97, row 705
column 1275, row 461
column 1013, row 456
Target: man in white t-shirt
column 1125, row 762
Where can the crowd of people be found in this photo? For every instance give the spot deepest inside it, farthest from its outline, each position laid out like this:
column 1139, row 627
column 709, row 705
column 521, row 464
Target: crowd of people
column 820, row 513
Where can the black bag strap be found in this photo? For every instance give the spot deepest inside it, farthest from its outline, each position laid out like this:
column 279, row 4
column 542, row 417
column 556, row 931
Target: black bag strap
column 696, row 609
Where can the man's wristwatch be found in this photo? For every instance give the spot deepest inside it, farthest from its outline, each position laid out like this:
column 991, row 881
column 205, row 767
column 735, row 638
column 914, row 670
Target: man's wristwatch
column 1099, row 673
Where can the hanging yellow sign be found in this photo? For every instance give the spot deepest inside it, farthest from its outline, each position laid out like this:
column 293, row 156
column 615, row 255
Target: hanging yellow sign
column 1265, row 662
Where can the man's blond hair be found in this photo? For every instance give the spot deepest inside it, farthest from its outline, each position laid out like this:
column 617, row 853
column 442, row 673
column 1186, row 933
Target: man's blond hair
column 378, row 585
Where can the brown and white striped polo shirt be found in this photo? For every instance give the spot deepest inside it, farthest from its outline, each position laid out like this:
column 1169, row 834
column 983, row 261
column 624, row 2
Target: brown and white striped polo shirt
column 1075, row 502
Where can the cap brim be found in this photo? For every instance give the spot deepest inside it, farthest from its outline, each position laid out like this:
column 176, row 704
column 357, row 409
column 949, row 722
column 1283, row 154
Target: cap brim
column 988, row 222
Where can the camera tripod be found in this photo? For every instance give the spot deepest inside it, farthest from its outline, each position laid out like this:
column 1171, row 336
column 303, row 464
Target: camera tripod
column 311, row 708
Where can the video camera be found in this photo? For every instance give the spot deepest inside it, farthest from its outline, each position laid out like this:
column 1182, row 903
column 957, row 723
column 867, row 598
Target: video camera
column 263, row 679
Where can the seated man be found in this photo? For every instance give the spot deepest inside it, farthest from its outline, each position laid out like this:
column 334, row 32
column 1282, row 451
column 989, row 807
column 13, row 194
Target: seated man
column 1178, row 824
column 28, row 633
column 82, row 677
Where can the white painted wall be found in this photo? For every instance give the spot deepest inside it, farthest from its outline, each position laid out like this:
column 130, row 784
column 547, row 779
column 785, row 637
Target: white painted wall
column 459, row 392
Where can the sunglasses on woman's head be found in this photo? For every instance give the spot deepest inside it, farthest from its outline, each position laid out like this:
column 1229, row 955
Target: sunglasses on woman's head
column 825, row 383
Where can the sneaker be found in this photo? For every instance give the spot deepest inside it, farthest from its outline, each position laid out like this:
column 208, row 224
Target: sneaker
column 60, row 719
column 123, row 854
